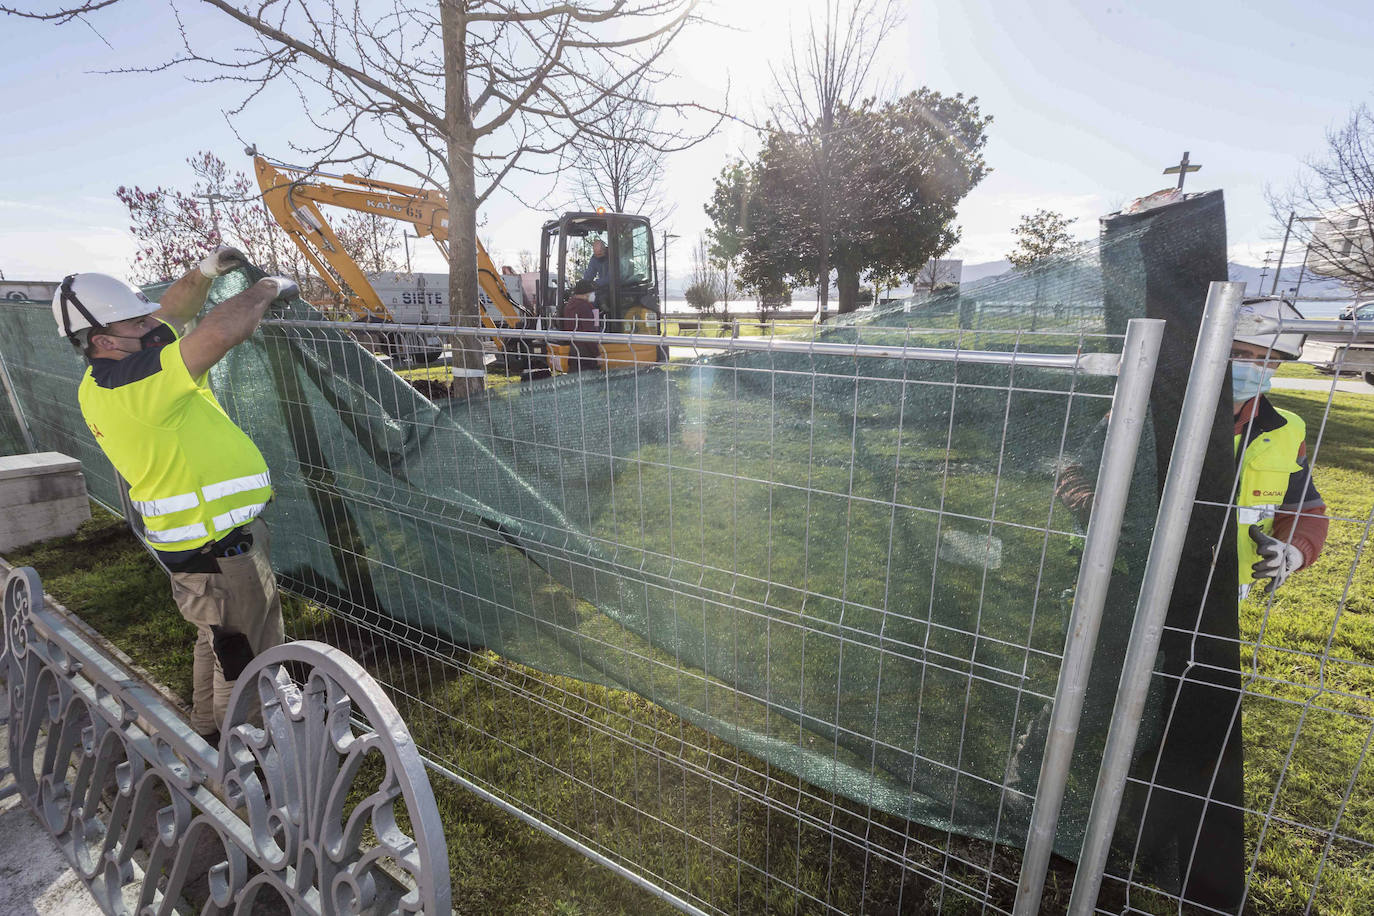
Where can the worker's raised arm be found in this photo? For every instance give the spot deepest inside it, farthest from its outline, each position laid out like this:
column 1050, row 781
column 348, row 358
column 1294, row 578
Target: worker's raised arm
column 184, row 299
column 231, row 323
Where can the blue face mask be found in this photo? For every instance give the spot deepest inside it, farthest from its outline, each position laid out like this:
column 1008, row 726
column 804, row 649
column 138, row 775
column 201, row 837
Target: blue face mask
column 1248, row 380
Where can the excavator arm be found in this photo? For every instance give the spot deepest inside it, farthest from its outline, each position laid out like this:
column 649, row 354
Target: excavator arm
column 293, row 195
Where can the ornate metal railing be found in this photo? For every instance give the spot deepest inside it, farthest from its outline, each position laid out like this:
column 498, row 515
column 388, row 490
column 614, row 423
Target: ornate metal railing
column 300, row 805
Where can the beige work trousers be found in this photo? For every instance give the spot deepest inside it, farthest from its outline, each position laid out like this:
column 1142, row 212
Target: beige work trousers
column 241, row 598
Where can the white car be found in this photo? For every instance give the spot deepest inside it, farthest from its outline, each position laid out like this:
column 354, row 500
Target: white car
column 1364, row 311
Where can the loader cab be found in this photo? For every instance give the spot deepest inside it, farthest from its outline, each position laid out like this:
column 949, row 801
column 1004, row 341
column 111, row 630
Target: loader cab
column 623, row 299
column 631, row 280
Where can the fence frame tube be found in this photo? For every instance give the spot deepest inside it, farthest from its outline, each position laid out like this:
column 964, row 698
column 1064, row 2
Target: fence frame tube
column 1211, row 360
column 1130, row 409
column 13, row 396
column 1085, row 363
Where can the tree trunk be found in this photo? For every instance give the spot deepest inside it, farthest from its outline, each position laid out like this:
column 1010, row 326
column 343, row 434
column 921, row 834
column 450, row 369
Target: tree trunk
column 823, row 219
column 849, row 289
column 468, row 369
column 725, row 293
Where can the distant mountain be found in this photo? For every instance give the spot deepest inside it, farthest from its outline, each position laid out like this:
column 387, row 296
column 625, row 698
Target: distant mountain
column 1313, row 286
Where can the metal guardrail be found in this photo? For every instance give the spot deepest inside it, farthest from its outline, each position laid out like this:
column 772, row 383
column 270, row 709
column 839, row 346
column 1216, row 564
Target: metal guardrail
column 147, row 812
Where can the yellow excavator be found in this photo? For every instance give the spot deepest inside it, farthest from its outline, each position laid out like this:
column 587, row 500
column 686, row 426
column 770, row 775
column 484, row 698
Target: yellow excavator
column 622, row 298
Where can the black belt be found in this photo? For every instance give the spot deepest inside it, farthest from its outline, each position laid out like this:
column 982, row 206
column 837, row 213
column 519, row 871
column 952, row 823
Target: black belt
column 206, row 559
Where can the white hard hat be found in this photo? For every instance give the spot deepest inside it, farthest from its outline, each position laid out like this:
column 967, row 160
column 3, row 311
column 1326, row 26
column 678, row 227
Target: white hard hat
column 1256, row 324
column 95, row 300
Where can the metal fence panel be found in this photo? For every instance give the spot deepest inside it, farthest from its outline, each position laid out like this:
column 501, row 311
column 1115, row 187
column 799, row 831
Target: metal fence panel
column 778, row 629
column 1301, row 704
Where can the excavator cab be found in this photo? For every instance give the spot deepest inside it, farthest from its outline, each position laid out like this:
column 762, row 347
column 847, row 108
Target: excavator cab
column 618, row 295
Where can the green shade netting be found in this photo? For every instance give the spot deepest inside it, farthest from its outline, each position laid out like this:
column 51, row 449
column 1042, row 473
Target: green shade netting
column 855, row 569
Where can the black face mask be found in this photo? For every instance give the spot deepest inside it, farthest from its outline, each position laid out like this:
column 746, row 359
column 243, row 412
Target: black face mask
column 159, row 336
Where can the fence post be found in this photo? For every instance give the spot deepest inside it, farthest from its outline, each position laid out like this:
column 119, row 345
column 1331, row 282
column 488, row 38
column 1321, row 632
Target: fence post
column 1171, row 526
column 1130, row 406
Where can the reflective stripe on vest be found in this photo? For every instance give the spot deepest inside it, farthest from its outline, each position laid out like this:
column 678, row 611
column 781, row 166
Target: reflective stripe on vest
column 166, row 505
column 224, row 488
column 1265, row 468
column 176, row 535
column 1254, row 515
column 171, row 538
column 238, row 517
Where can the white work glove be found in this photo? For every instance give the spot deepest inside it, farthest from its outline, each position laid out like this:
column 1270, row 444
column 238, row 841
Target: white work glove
column 286, row 288
column 222, row 260
column 1277, row 560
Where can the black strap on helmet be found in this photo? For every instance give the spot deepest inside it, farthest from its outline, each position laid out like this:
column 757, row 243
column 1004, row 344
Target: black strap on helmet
column 69, row 296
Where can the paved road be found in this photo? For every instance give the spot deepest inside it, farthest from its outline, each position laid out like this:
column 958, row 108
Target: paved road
column 1347, row 383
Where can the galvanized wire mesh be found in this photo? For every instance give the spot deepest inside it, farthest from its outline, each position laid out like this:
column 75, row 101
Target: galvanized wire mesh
column 772, row 630
column 840, row 582
column 1289, row 829
column 771, row 559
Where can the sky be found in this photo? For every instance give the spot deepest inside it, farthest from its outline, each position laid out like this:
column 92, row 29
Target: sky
column 1090, row 101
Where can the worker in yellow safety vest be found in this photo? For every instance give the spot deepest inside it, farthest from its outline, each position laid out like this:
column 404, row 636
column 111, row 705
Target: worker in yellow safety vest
column 1281, row 518
column 197, row 481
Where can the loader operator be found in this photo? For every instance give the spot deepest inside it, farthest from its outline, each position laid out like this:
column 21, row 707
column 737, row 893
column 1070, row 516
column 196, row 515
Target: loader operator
column 598, row 272
column 1281, row 518
column 196, row 479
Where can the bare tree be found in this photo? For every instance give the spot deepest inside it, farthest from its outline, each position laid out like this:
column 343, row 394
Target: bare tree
column 704, row 284
column 1335, row 194
column 462, row 96
column 618, row 162
column 175, row 228
column 827, row 74
column 371, row 241
column 934, row 274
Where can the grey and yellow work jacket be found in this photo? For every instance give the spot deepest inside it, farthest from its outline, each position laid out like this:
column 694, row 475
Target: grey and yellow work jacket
column 193, row 474
column 1274, row 482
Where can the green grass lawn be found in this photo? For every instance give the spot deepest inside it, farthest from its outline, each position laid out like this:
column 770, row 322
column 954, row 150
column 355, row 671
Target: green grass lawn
column 1300, row 370
column 640, row 780
column 642, row 783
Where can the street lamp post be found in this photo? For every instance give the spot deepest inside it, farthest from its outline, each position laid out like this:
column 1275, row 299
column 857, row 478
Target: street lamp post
column 666, row 237
column 1307, row 251
column 405, row 239
column 270, row 227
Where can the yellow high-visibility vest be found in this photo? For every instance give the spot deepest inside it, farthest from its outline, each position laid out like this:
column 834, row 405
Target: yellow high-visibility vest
column 193, row 474
column 1265, row 468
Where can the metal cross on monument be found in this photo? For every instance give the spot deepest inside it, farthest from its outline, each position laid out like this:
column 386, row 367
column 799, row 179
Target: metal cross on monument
column 1182, row 169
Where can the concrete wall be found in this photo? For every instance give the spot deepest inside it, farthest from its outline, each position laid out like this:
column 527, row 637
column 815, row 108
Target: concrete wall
column 42, row 495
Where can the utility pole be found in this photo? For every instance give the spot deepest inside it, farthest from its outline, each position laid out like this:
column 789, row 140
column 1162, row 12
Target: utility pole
column 1283, row 250
column 666, row 237
column 212, row 197
column 1264, row 271
column 1182, row 169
